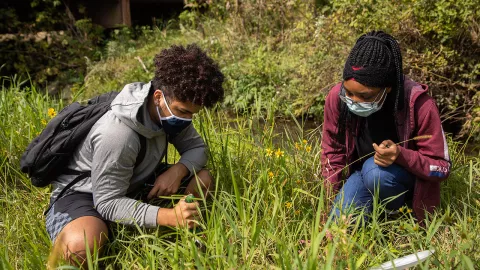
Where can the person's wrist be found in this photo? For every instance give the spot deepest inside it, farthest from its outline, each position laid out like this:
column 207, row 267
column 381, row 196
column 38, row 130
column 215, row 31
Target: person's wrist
column 399, row 149
column 165, row 217
column 181, row 170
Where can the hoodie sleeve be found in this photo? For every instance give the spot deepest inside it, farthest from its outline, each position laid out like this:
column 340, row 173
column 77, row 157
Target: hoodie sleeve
column 333, row 152
column 192, row 149
column 114, row 155
column 430, row 160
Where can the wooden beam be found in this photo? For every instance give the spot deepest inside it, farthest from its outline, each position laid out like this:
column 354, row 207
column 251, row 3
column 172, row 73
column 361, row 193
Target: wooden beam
column 126, row 17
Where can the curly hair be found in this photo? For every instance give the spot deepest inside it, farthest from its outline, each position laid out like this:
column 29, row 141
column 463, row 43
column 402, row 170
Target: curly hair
column 188, row 74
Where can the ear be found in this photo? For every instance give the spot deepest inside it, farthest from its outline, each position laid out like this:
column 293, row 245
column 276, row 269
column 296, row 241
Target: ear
column 157, row 96
column 389, row 89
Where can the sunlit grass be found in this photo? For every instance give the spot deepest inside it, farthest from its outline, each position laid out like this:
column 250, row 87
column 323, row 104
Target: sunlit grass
column 266, row 210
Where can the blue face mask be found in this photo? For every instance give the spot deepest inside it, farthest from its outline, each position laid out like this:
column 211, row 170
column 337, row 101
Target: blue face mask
column 363, row 109
column 172, row 125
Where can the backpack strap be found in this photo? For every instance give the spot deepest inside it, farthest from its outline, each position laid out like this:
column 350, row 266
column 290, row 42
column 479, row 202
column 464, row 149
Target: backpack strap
column 80, row 176
column 83, row 175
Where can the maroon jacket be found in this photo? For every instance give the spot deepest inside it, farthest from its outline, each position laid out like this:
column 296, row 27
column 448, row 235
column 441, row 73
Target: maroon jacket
column 427, row 159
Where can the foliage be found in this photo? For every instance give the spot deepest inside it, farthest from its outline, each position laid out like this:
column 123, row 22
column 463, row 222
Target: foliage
column 295, row 58
column 439, row 40
column 50, row 46
column 266, row 212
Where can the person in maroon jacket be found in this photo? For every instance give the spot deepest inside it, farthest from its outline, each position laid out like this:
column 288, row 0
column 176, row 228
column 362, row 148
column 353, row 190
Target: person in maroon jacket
column 387, row 122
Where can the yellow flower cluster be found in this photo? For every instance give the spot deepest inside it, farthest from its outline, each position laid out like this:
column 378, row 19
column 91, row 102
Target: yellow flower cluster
column 405, row 210
column 51, row 112
column 303, row 145
column 271, row 175
column 44, row 122
column 288, row 205
column 278, row 153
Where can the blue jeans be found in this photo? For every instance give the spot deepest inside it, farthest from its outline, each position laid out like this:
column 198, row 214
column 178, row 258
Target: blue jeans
column 358, row 191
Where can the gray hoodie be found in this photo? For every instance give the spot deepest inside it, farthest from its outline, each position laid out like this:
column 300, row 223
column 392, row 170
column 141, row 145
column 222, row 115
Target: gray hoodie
column 110, row 149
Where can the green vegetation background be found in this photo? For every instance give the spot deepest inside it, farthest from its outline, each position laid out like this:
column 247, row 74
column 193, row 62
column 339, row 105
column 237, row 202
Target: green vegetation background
column 280, row 58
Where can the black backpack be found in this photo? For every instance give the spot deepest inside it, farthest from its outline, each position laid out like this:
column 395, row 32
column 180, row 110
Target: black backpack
column 47, row 156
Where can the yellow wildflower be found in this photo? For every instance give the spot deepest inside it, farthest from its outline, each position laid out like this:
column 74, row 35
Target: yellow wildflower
column 308, row 149
column 270, row 175
column 298, row 146
column 279, row 153
column 269, row 152
column 288, row 205
column 44, row 122
column 409, row 211
column 469, row 220
column 401, row 209
column 51, row 112
column 304, row 141
column 297, row 212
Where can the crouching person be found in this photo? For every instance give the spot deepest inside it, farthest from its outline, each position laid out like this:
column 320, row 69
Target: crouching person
column 186, row 80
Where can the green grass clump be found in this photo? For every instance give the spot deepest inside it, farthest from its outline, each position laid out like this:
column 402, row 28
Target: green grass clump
column 267, row 210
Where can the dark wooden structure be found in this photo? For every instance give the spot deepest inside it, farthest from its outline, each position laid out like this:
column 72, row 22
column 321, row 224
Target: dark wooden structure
column 114, row 13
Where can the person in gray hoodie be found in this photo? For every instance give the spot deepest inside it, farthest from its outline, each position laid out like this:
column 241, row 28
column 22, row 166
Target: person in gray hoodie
column 186, row 80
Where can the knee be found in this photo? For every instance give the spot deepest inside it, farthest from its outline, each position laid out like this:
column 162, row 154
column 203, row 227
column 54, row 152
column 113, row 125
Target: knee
column 377, row 177
column 206, row 179
column 74, row 245
column 372, row 175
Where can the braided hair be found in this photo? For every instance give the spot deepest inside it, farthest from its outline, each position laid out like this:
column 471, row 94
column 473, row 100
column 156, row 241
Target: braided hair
column 375, row 61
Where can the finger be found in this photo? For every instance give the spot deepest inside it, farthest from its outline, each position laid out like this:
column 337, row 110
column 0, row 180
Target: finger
column 161, row 192
column 382, row 163
column 389, row 143
column 379, row 157
column 378, row 149
column 385, row 144
column 191, row 214
column 379, row 163
column 384, row 158
column 379, row 160
column 191, row 224
column 166, row 192
column 192, row 206
column 376, row 160
column 153, row 192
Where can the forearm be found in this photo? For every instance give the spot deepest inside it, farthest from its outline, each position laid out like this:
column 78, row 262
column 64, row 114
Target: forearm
column 165, row 217
column 180, row 170
column 129, row 212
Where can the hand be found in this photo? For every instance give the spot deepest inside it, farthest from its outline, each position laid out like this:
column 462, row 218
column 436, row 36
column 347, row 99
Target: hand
column 183, row 214
column 386, row 153
column 168, row 182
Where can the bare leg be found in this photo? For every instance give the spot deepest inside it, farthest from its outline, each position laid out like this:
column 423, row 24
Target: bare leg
column 205, row 180
column 70, row 242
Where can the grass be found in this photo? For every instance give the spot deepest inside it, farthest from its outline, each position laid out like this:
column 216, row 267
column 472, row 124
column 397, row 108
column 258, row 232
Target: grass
column 266, row 211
